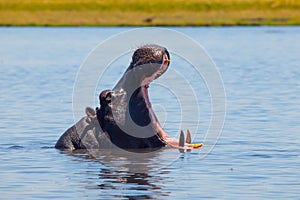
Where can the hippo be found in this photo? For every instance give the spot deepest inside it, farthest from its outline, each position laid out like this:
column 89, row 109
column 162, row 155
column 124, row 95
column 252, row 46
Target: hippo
column 125, row 117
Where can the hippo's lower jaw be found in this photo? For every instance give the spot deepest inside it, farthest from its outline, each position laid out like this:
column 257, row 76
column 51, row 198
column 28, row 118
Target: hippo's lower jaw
column 87, row 134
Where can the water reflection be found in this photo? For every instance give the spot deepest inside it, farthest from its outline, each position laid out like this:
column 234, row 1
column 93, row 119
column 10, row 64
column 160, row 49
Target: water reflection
column 131, row 185
column 132, row 175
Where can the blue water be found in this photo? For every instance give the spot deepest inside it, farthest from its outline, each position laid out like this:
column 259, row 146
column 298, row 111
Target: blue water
column 257, row 155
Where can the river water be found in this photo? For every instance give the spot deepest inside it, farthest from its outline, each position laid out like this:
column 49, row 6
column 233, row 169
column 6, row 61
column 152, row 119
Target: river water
column 256, row 156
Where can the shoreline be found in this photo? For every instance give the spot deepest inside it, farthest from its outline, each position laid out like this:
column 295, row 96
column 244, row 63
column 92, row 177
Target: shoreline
column 141, row 26
column 97, row 13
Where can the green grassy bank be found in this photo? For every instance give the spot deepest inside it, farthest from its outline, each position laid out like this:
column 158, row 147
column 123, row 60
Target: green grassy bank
column 144, row 13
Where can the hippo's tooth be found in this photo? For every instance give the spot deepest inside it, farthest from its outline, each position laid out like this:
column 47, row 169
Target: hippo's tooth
column 188, row 137
column 181, row 139
column 181, row 142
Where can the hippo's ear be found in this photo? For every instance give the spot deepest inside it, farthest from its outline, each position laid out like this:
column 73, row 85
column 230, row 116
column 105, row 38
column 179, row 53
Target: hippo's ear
column 90, row 112
column 105, row 97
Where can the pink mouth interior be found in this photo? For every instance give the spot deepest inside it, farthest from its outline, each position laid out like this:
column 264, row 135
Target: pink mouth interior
column 146, row 96
column 145, row 86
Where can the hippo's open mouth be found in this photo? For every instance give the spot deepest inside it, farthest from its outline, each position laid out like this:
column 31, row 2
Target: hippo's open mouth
column 125, row 117
column 146, row 82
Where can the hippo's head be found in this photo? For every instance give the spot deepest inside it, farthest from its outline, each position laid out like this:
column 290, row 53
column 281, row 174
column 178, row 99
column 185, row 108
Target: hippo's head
column 148, row 63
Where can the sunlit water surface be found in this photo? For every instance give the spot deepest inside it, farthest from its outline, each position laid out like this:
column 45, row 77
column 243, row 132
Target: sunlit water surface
column 257, row 155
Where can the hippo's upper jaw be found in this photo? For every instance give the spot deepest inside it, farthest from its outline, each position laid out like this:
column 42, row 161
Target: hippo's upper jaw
column 162, row 68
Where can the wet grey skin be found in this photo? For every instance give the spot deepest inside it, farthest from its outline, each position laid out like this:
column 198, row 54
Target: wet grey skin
column 125, row 118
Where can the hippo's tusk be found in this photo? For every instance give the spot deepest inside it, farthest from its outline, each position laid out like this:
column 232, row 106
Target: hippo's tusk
column 181, row 142
column 195, row 146
column 181, row 139
column 188, row 137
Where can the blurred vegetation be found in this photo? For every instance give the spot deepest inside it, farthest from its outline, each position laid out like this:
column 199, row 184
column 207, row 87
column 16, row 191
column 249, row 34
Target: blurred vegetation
column 145, row 13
